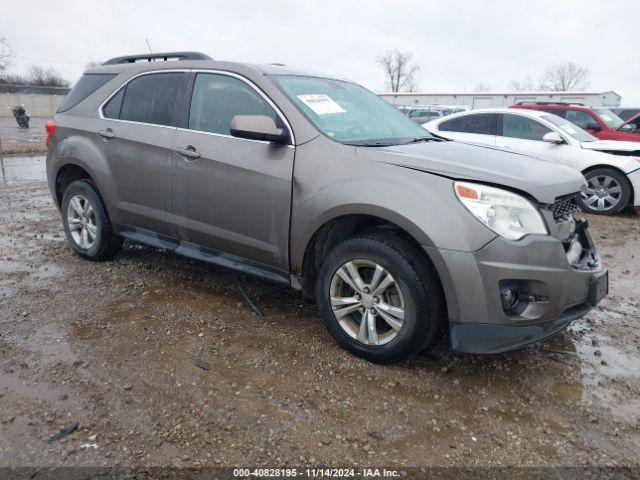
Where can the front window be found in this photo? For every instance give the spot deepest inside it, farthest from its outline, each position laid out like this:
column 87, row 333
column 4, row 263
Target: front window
column 518, row 126
column 609, row 118
column 581, row 119
column 216, row 99
column 348, row 113
column 570, row 129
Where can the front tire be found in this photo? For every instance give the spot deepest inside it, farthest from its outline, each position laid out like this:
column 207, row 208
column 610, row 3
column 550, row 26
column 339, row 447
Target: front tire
column 608, row 192
column 378, row 300
column 86, row 223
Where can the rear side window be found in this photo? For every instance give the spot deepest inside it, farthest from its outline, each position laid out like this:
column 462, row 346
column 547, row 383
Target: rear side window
column 88, row 83
column 149, row 99
column 218, row 98
column 517, row 126
column 480, row 123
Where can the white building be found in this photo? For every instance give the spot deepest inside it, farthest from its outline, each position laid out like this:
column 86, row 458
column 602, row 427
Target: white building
column 485, row 100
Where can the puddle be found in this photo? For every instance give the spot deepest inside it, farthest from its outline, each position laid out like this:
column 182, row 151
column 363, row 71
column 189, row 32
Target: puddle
column 602, row 364
column 16, row 169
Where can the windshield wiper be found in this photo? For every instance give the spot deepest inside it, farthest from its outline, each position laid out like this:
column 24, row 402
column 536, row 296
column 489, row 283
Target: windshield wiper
column 422, row 139
column 371, row 144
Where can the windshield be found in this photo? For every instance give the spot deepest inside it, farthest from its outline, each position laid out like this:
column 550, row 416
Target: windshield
column 570, row 129
column 349, row 113
column 610, row 119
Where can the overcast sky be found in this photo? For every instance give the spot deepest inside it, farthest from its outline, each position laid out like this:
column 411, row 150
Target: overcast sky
column 456, row 43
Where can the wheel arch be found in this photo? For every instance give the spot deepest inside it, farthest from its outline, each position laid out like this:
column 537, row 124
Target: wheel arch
column 67, row 174
column 338, row 228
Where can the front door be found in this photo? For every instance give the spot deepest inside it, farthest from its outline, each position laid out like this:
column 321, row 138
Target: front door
column 231, row 196
column 522, row 134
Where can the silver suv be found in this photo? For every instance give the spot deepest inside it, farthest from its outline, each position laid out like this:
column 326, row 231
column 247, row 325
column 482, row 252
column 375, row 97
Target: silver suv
column 317, row 183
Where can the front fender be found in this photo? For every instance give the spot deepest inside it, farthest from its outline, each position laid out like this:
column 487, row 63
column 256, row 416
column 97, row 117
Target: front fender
column 422, row 204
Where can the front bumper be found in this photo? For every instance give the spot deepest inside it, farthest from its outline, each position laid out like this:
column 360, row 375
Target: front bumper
column 487, row 338
column 556, row 291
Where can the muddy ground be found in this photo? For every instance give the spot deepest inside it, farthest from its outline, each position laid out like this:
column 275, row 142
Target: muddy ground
column 16, row 140
column 161, row 363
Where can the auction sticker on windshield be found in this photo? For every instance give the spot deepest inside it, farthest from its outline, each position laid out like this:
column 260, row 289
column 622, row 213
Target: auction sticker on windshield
column 321, row 104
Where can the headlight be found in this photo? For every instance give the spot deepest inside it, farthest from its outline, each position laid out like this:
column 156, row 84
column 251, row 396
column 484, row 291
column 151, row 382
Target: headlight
column 508, row 214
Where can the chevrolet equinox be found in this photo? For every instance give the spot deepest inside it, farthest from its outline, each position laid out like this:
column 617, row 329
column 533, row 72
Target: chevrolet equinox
column 317, row 183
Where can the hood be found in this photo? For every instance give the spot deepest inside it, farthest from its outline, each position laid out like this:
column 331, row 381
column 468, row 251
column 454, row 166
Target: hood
column 613, row 145
column 545, row 181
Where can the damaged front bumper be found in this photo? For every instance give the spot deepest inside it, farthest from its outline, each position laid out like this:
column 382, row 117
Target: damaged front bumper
column 510, row 294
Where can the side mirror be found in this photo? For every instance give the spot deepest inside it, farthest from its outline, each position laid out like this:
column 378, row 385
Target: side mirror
column 593, row 126
column 258, row 127
column 553, row 137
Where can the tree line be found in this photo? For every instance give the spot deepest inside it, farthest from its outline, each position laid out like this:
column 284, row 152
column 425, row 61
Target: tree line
column 35, row 75
column 401, row 76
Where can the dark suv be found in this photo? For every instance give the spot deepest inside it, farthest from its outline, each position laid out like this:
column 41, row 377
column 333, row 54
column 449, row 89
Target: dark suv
column 318, row 183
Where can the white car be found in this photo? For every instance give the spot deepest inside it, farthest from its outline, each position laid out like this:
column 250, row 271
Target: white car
column 611, row 168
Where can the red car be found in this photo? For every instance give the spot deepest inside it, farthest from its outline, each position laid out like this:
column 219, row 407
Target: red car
column 599, row 122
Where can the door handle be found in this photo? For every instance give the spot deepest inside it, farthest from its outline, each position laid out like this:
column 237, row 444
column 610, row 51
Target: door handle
column 189, row 153
column 107, row 133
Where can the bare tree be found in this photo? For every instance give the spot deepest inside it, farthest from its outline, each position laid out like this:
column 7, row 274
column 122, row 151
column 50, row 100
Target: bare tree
column 92, row 63
column 12, row 79
column 525, row 85
column 399, row 72
column 482, row 87
column 48, row 77
column 565, row 77
column 5, row 53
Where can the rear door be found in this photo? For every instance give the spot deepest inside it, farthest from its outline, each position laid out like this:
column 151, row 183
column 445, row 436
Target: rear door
column 477, row 128
column 232, row 203
column 136, row 135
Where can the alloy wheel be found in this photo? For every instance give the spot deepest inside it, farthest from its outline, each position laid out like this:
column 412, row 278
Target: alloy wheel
column 367, row 302
column 81, row 220
column 602, row 193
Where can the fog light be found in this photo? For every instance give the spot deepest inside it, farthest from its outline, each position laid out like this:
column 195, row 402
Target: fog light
column 509, row 297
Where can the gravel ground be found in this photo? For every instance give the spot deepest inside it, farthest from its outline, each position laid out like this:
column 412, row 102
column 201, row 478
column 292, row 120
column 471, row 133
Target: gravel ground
column 159, row 361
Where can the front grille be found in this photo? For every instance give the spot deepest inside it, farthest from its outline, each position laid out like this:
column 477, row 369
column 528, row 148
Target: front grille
column 565, row 209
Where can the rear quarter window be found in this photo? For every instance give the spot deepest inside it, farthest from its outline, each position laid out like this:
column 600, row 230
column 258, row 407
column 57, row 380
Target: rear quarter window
column 88, row 83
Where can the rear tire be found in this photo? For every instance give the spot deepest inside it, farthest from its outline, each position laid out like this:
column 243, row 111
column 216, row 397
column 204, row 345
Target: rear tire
column 383, row 325
column 86, row 223
column 608, row 192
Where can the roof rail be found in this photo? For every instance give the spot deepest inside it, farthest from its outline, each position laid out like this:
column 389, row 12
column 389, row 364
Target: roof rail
column 551, row 103
column 150, row 57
